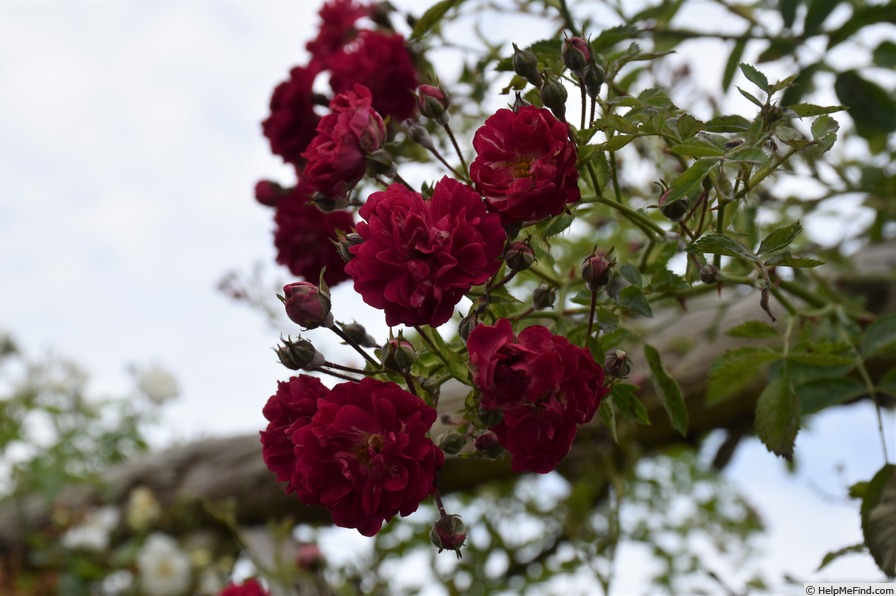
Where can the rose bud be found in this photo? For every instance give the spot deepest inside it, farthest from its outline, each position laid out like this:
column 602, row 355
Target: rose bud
column 418, row 133
column 543, row 297
column 490, row 417
column 399, row 355
column 328, row 203
column 449, row 533
column 519, row 103
column 618, row 364
column 675, row 211
column 593, row 77
column 306, row 305
column 309, row 558
column 357, row 333
column 432, row 102
column 345, row 242
column 467, row 324
column 380, row 163
column 576, row 55
column 451, row 443
column 299, row 355
column 709, row 274
column 553, row 95
column 269, row 193
column 519, row 256
column 525, row 64
column 597, row 271
column 487, row 444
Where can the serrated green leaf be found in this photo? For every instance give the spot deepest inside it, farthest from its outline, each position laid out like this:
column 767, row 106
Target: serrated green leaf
column 746, row 153
column 431, row 17
column 817, row 359
column 750, row 97
column 696, row 147
column 754, row 76
column 728, row 123
column 879, row 519
column 817, row 395
column 782, row 84
column 836, row 554
column 457, row 366
column 819, row 10
column 880, row 337
column 633, row 299
column 717, row 244
column 690, row 178
column 807, row 109
column 686, row 125
column 786, row 260
column 753, row 329
column 669, row 391
column 610, row 37
column 620, row 124
column 778, row 417
column 733, row 59
column 788, row 11
column 558, row 224
column 631, row 274
column 863, row 16
column 608, row 416
column 823, row 126
column 617, row 142
column 780, row 239
column 872, row 108
column 666, row 281
column 626, row 402
column 736, row 369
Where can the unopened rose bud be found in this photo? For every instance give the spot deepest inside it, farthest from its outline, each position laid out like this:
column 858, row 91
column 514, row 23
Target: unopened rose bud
column 432, row 102
column 618, row 364
column 490, row 417
column 299, row 354
column 467, row 324
column 306, row 305
column 380, row 163
column 553, row 95
column 525, row 64
column 345, row 242
column 451, row 443
column 593, row 77
column 327, row 203
column 543, row 297
column 449, row 533
column 709, row 274
column 359, row 335
column 576, row 54
column 675, row 211
column 597, row 271
column 309, row 558
column 519, row 256
column 399, row 355
column 418, row 133
column 487, row 444
column 269, row 193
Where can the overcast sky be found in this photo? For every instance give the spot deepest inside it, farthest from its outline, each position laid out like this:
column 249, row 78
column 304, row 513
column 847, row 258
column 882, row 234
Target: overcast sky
column 129, row 147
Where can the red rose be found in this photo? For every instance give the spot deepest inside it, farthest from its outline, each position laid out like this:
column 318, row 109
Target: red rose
column 365, row 455
column 304, row 236
column 336, row 156
column 381, row 62
column 525, row 164
column 288, row 410
column 418, row 258
column 337, row 27
column 544, row 385
column 250, row 587
column 290, row 127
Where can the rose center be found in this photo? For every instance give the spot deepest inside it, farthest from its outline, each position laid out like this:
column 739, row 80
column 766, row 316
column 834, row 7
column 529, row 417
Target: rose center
column 521, row 169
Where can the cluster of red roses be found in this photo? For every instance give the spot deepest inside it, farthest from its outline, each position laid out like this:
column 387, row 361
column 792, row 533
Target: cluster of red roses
column 361, row 448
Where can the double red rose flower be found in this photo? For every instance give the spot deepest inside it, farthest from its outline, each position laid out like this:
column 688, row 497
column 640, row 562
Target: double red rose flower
column 525, row 164
column 337, row 28
column 292, row 122
column 360, row 449
column 544, row 385
column 418, row 258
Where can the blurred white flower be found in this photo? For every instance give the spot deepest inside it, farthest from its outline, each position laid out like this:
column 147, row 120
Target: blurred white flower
column 94, row 530
column 143, row 508
column 156, row 383
column 164, row 567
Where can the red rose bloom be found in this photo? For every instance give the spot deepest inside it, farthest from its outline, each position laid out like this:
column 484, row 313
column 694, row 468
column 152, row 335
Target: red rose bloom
column 336, row 156
column 337, row 27
column 304, row 236
column 250, row 587
column 290, row 127
column 381, row 62
column 525, row 164
column 544, row 385
column 418, row 258
column 365, row 455
column 288, row 410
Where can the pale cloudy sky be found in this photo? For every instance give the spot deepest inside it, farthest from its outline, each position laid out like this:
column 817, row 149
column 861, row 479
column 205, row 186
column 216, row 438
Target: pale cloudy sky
column 129, row 147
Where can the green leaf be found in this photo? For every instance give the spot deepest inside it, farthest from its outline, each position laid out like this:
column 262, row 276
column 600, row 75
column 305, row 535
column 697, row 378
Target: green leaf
column 633, row 299
column 885, row 54
column 782, row 84
column 728, row 123
column 788, row 11
column 617, row 142
column 619, row 124
column 731, row 65
column 887, row 383
column 754, row 76
column 431, row 17
column 717, row 244
column 558, row 224
column 754, row 330
column 871, row 107
column 608, row 416
column 862, row 17
column 819, row 10
column 736, row 369
column 697, row 147
column 631, row 274
column 880, row 337
column 626, row 402
column 690, row 178
column 816, row 359
column 669, row 391
column 780, row 238
column 785, row 259
column 747, row 153
column 456, row 365
column 817, row 395
column 836, row 554
column 778, row 417
column 823, row 127
column 610, row 37
column 879, row 519
column 807, row 109
column 750, row 97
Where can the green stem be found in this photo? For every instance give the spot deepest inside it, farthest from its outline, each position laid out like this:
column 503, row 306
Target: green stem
column 593, row 175
column 335, row 329
column 802, row 293
column 460, row 154
column 765, row 172
column 567, row 17
column 590, row 320
column 639, row 219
